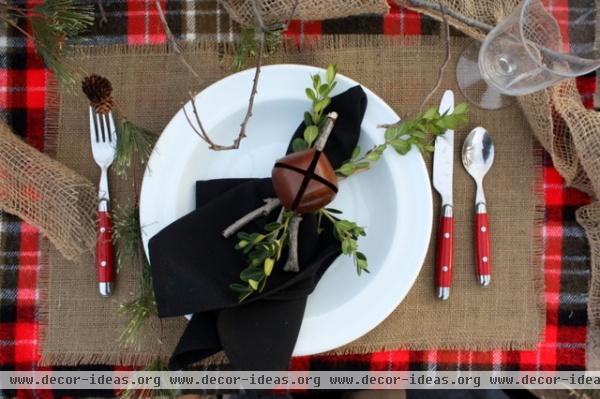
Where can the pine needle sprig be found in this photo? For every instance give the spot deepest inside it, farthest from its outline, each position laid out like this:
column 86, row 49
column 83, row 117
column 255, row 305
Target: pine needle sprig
column 131, row 393
column 126, row 234
column 52, row 23
column 249, row 42
column 139, row 309
column 133, row 142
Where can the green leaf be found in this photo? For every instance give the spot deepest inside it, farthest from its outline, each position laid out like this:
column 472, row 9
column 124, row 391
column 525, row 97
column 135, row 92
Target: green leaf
column 355, row 152
column 241, row 244
column 308, row 119
column 390, row 133
column 272, row 226
column 373, row 156
column 401, row 146
column 347, row 169
column 299, row 144
column 461, row 108
column 268, row 266
column 311, row 94
column 321, row 105
column 346, row 247
column 310, row 134
column 316, row 78
column 334, row 211
column 239, row 288
column 323, row 89
column 344, row 225
column 251, row 273
column 331, row 72
column 253, row 284
column 430, row 114
column 362, row 165
column 380, row 149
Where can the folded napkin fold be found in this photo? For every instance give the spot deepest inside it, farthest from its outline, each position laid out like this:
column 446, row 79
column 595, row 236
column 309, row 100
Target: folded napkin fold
column 193, row 265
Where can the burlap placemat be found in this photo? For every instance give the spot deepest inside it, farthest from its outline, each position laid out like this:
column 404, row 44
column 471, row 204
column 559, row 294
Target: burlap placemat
column 150, row 84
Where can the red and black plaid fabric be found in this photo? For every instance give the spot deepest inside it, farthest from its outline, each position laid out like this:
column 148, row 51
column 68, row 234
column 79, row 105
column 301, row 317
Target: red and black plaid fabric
column 22, row 97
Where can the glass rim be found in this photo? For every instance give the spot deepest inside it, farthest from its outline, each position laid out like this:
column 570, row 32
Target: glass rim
column 585, row 71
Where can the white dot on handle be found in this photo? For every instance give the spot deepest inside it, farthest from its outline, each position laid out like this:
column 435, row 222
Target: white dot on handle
column 102, row 229
column 483, row 229
column 445, row 268
column 103, row 263
column 485, row 259
column 446, row 235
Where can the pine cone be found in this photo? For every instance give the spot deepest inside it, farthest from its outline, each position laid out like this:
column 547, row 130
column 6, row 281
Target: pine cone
column 98, row 90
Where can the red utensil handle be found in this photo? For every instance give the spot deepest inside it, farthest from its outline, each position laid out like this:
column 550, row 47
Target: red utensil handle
column 482, row 244
column 445, row 244
column 104, row 249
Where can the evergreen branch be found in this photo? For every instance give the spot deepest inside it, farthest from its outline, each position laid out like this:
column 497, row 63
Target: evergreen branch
column 133, row 142
column 139, row 309
column 126, row 234
column 51, row 23
column 131, row 393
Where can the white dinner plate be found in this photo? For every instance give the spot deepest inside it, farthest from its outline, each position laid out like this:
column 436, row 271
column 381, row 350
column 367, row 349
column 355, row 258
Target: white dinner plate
column 392, row 200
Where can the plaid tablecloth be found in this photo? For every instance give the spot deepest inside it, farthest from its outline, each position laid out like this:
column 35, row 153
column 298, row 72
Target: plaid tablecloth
column 22, row 96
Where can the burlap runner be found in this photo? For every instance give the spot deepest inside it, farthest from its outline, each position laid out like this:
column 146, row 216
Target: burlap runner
column 150, row 85
column 279, row 10
column 36, row 188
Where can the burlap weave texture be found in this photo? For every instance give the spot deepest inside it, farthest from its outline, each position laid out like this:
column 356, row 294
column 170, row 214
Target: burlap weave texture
column 150, row 85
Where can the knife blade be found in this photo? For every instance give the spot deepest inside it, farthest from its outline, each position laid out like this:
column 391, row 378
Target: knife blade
column 443, row 163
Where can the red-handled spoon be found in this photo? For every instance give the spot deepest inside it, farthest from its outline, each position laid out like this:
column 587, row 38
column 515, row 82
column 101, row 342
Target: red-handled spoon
column 477, row 158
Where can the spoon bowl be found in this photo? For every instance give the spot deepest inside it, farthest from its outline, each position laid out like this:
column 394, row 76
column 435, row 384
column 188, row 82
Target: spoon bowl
column 478, row 153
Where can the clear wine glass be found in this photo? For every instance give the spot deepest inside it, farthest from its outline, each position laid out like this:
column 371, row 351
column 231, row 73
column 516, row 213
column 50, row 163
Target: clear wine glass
column 536, row 46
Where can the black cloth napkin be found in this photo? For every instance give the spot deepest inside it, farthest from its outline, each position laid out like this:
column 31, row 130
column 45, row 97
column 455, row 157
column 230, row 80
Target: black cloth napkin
column 193, row 265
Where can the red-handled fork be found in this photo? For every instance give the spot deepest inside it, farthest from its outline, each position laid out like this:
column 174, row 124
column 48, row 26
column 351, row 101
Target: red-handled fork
column 104, row 139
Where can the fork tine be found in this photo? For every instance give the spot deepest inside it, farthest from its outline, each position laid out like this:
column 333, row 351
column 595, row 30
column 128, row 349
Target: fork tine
column 112, row 131
column 101, row 124
column 93, row 125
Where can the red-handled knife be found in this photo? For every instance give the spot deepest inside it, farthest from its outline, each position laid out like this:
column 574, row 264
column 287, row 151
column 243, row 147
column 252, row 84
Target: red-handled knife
column 443, row 162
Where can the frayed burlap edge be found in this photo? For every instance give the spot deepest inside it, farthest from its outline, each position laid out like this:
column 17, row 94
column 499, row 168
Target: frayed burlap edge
column 273, row 11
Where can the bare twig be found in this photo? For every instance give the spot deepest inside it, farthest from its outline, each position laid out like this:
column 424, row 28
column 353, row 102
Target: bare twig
column 326, row 131
column 199, row 130
column 456, row 15
column 440, row 75
column 103, row 18
column 258, row 15
column 259, row 53
column 16, row 26
column 270, row 204
column 291, row 16
column 438, row 82
column 292, row 265
column 173, row 41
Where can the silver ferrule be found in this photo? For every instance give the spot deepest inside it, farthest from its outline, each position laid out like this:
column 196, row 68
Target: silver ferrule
column 105, row 289
column 480, row 207
column 447, row 211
